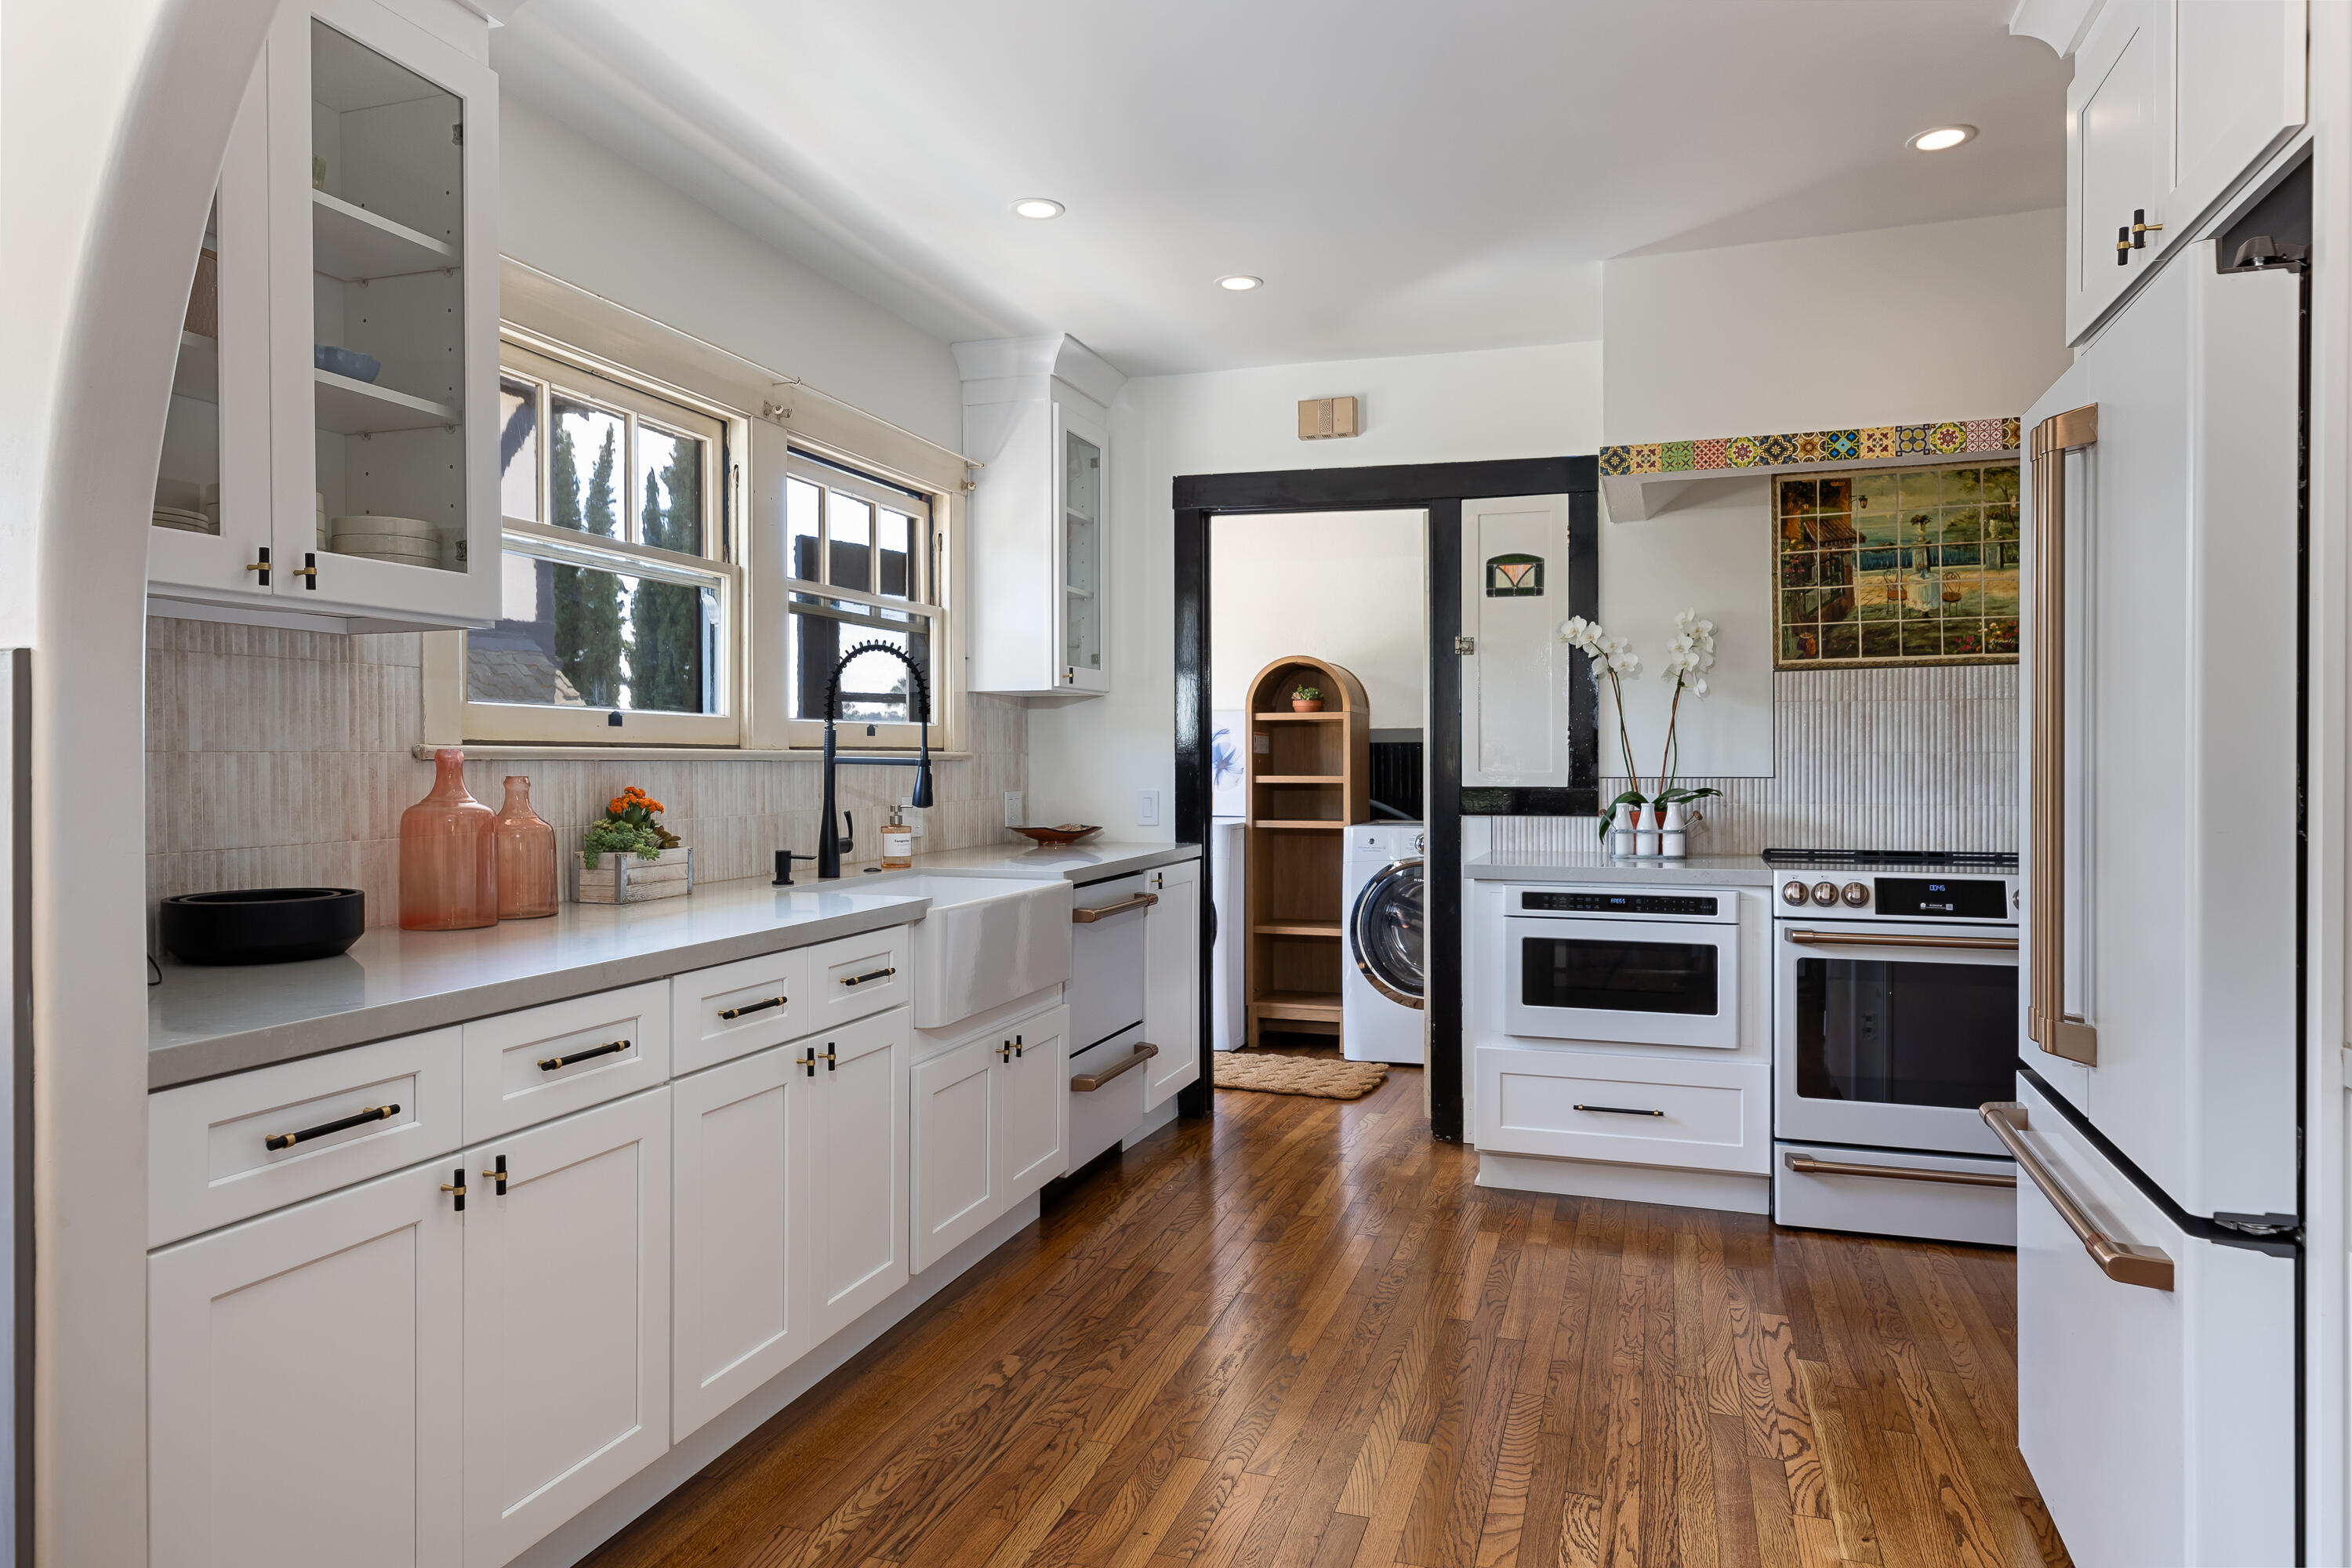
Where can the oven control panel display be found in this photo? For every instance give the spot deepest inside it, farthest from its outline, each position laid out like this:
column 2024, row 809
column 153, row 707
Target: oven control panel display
column 1955, row 898
column 1620, row 903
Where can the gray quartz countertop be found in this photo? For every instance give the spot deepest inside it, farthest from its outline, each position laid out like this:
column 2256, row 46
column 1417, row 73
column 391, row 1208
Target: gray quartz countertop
column 1089, row 862
column 1592, row 865
column 204, row 1021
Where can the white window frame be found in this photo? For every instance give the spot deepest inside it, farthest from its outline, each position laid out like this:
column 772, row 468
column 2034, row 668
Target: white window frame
column 668, row 411
column 928, row 601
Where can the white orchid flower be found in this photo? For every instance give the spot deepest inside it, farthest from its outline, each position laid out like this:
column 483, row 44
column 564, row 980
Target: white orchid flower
column 1699, row 685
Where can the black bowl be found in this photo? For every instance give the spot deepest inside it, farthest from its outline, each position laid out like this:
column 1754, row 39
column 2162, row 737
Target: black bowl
column 262, row 925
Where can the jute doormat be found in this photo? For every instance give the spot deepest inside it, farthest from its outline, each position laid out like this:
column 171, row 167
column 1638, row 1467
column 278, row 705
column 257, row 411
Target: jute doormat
column 1318, row 1075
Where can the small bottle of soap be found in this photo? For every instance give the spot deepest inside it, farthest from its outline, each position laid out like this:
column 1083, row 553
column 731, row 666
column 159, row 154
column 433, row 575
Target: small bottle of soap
column 897, row 843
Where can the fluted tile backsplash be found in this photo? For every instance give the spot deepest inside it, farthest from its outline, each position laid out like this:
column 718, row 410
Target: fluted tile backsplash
column 281, row 758
column 1919, row 758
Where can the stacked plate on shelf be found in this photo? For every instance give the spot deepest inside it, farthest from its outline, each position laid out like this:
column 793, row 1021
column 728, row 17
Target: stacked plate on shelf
column 183, row 520
column 408, row 540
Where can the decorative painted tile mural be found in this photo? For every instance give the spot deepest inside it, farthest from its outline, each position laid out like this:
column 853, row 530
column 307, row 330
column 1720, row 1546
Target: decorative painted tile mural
column 1945, row 438
column 1897, row 567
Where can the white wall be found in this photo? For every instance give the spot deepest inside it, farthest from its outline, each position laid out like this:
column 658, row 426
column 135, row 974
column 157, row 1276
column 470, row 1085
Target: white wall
column 1947, row 321
column 1087, row 757
column 1891, row 326
column 572, row 208
column 1346, row 586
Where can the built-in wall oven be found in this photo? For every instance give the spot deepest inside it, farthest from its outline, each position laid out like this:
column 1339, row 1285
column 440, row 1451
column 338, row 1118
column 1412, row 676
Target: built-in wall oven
column 1631, row 968
column 1894, row 998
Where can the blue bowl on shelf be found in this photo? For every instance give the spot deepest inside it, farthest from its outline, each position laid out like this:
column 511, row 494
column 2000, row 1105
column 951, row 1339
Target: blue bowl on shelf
column 345, row 361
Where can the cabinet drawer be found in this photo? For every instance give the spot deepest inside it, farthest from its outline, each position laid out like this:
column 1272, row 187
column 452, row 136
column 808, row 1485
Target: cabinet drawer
column 1707, row 1116
column 854, row 975
column 210, row 1158
column 525, row 1067
column 768, row 1000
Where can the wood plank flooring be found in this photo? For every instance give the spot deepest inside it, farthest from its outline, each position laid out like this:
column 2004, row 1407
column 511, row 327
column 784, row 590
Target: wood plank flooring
column 1301, row 1338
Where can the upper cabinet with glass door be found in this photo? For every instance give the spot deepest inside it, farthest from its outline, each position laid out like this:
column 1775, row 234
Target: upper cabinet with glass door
column 357, row 445
column 1035, row 419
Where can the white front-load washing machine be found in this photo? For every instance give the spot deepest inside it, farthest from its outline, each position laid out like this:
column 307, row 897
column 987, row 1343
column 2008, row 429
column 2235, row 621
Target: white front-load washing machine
column 1380, row 970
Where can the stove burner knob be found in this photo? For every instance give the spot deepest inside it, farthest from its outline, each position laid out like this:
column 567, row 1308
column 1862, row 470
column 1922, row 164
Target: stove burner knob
column 1825, row 894
column 1857, row 894
column 1792, row 892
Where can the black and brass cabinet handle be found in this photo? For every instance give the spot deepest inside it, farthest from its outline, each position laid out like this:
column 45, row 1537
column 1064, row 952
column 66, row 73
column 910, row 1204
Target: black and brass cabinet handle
column 261, row 566
column 308, row 571
column 357, row 1119
column 2141, row 228
column 828, row 1057
column 730, row 1013
column 549, row 1064
column 455, row 1188
column 2122, row 244
column 1017, row 1045
column 498, row 1176
column 809, row 1061
column 869, row 976
column 1619, row 1111
column 1005, row 1051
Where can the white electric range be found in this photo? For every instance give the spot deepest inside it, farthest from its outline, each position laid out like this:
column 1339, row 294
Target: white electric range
column 1895, row 1017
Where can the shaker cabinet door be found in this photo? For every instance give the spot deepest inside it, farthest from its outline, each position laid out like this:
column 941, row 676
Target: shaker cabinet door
column 1171, row 985
column 957, row 1129
column 567, row 1318
column 852, row 1178
column 305, row 1383
column 1033, row 1106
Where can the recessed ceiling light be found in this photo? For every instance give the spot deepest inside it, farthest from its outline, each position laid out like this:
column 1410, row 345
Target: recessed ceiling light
column 1241, row 282
column 1037, row 207
column 1942, row 138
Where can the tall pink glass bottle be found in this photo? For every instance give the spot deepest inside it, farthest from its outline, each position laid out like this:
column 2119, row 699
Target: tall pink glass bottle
column 526, row 856
column 448, row 866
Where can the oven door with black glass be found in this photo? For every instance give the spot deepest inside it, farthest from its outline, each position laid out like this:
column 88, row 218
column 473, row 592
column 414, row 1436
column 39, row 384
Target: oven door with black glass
column 1638, row 980
column 1890, row 1034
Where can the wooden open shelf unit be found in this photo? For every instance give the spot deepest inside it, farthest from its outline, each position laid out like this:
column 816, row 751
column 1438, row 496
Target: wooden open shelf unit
column 1309, row 777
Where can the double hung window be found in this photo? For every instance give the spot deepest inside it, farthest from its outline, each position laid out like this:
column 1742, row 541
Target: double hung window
column 862, row 568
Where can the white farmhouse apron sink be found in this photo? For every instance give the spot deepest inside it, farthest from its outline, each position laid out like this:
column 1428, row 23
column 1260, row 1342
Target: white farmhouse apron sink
column 985, row 941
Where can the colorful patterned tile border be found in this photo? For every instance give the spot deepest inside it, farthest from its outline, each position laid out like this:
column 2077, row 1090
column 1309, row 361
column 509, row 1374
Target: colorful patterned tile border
column 1876, row 443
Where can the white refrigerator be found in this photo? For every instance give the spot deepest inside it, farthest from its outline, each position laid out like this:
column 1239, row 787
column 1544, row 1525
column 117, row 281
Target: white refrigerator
column 2157, row 1116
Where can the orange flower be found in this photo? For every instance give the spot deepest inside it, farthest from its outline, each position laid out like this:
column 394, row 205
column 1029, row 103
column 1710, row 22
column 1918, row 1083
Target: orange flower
column 617, row 804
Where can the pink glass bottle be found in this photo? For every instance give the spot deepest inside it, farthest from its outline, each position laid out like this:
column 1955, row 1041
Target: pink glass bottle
column 448, row 867
column 526, row 856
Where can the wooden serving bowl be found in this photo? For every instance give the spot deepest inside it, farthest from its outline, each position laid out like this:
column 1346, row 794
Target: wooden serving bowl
column 1067, row 834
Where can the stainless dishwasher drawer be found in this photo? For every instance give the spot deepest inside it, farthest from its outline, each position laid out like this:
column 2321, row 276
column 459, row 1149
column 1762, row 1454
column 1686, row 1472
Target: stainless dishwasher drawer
column 1107, row 1084
column 1106, row 988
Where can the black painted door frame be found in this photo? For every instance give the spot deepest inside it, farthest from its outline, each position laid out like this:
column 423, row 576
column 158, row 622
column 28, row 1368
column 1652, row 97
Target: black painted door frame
column 1438, row 490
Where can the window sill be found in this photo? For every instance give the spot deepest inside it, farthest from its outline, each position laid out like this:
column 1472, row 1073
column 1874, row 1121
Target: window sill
column 423, row 751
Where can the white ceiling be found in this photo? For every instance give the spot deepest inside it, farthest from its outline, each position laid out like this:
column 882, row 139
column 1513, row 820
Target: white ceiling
column 1407, row 177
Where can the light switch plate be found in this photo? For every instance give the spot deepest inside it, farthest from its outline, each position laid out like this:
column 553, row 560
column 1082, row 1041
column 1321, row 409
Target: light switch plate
column 1147, row 808
column 913, row 814
column 1012, row 814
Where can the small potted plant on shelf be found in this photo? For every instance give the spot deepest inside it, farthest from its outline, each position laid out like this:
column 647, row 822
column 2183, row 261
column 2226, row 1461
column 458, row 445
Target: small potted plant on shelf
column 1307, row 700
column 629, row 856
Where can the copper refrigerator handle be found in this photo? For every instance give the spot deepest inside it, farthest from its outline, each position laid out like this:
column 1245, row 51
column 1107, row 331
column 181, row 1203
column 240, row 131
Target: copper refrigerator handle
column 1804, row 938
column 2045, row 1010
column 2119, row 1261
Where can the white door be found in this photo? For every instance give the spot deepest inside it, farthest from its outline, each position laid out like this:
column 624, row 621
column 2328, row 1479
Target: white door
column 1515, row 681
column 853, row 1138
column 734, row 1232
column 2158, row 1423
column 567, row 1318
column 2179, row 965
column 2241, row 94
column 304, row 1383
column 1033, row 1106
column 2118, row 119
column 955, row 1168
column 1172, row 981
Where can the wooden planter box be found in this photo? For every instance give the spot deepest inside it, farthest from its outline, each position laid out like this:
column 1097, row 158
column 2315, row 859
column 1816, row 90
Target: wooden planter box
column 620, row 878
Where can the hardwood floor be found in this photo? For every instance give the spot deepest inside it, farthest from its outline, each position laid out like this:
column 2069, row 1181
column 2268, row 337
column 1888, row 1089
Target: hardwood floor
column 1302, row 1339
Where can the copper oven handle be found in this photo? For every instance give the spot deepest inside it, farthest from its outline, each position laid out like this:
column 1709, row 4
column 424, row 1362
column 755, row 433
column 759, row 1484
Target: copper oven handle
column 2045, row 1013
column 1864, row 939
column 1806, row 1165
column 1141, row 901
column 2119, row 1261
column 1087, row 1081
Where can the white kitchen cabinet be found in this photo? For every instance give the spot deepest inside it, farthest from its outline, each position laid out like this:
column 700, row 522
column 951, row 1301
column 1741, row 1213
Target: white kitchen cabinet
column 852, row 1128
column 356, row 213
column 304, row 1382
column 735, row 1323
column 1172, row 981
column 2174, row 104
column 991, row 1125
column 567, row 1318
column 1036, row 415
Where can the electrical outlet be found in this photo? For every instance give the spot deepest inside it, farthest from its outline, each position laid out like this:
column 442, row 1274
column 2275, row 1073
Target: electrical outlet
column 913, row 814
column 1013, row 817
column 1147, row 808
